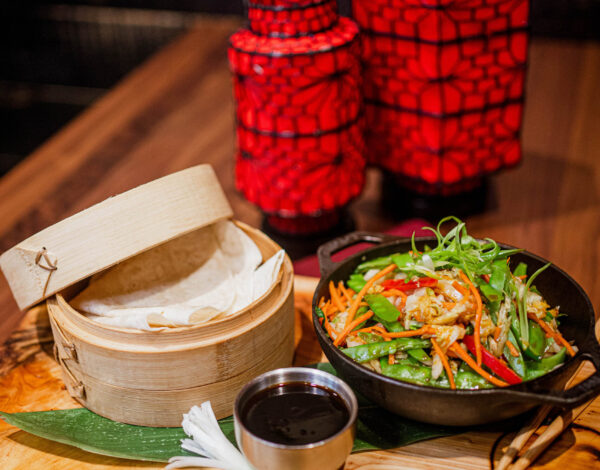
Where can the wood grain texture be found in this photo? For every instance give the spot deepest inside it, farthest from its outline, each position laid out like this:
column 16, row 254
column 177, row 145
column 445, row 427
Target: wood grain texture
column 152, row 378
column 176, row 111
column 99, row 237
column 31, row 382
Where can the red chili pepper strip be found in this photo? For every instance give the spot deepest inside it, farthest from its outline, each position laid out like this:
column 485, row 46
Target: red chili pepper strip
column 406, row 286
column 494, row 364
column 471, row 362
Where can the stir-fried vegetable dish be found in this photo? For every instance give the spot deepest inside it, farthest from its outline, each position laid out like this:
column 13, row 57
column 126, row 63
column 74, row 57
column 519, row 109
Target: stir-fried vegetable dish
column 452, row 316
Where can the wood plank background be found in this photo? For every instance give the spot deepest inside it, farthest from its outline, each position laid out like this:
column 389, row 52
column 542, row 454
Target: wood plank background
column 176, row 110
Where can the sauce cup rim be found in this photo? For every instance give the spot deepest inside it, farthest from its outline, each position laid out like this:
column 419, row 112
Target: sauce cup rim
column 313, row 376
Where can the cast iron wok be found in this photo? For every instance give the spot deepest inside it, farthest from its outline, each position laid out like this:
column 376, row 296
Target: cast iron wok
column 466, row 407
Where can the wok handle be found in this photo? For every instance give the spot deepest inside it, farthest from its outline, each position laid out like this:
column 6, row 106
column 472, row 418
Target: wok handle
column 327, row 250
column 574, row 396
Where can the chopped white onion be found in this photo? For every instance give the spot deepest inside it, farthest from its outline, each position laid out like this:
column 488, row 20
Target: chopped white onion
column 370, row 273
column 436, row 367
column 427, row 262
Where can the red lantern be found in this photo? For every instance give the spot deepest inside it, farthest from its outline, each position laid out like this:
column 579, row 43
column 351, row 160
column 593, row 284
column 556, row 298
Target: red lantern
column 443, row 88
column 296, row 85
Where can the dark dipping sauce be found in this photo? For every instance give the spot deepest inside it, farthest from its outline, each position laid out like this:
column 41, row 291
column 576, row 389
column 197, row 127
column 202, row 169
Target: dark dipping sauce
column 295, row 413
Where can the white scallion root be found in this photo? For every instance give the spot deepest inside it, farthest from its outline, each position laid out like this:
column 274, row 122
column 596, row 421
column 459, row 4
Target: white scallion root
column 207, row 440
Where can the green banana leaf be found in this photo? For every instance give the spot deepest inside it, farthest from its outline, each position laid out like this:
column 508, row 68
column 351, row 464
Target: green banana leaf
column 376, row 429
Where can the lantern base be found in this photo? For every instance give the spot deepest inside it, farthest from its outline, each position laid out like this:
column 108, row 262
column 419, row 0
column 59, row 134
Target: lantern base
column 301, row 236
column 402, row 203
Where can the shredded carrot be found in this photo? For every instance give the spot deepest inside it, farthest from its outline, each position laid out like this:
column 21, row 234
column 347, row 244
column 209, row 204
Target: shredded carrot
column 351, row 326
column 371, row 329
column 460, row 288
column 335, row 297
column 329, row 309
column 424, row 330
column 380, row 330
column 345, row 293
column 478, row 315
column 321, row 303
column 332, row 312
column 465, row 357
column 368, row 329
column 391, row 356
column 328, row 328
column 343, row 298
column 396, row 293
column 393, row 293
column 524, row 276
column 497, row 332
column 445, row 362
column 511, row 347
column 553, row 334
column 451, row 353
column 354, row 307
column 449, row 305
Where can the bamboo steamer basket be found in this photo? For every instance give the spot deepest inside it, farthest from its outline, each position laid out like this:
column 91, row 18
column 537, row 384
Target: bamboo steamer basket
column 139, row 377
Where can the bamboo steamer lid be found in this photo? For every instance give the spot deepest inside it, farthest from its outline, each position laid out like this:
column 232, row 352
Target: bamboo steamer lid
column 113, row 231
column 150, row 378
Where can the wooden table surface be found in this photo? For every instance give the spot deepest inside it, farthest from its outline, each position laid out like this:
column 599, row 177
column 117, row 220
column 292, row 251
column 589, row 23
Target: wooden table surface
column 176, row 110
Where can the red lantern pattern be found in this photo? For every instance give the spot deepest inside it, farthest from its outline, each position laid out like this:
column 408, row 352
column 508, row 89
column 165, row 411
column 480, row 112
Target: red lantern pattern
column 443, row 88
column 298, row 95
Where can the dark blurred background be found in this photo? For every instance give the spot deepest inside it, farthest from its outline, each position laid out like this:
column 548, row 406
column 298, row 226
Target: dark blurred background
column 56, row 58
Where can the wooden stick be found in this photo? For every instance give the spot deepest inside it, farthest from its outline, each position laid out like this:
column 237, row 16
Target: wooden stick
column 527, row 431
column 555, row 428
column 522, row 437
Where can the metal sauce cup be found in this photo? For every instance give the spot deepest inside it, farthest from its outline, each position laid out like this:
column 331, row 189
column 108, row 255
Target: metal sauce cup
column 328, row 454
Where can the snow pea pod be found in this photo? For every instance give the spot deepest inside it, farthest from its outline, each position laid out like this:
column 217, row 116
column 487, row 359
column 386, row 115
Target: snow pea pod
column 500, row 272
column 470, row 380
column 419, row 375
column 516, row 363
column 402, row 260
column 537, row 338
column 383, row 309
column 377, row 263
column 419, row 354
column 537, row 342
column 500, row 254
column 360, row 312
column 467, row 378
column 369, row 337
column 536, row 369
column 356, row 282
column 393, row 326
column 366, row 352
column 490, row 293
column 520, row 270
